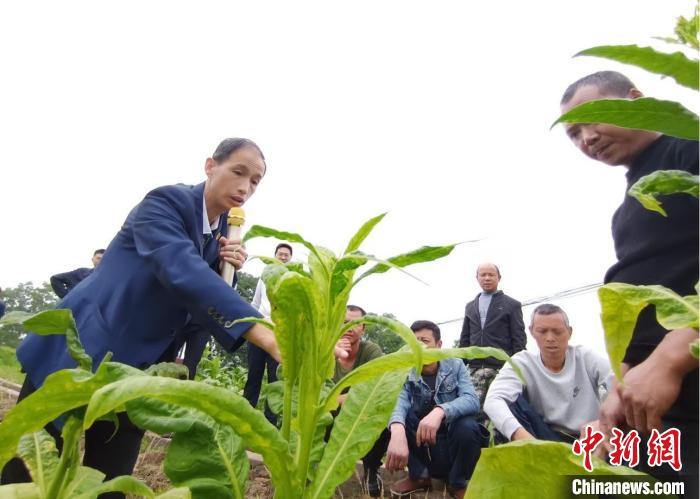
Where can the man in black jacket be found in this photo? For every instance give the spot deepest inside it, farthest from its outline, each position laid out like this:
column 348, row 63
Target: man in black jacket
column 492, row 319
column 660, row 389
column 63, row 283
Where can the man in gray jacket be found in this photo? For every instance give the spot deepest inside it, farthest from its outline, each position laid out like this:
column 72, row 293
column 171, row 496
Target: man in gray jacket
column 564, row 384
column 492, row 319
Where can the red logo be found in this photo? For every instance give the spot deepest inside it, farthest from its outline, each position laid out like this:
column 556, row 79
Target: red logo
column 587, row 445
column 665, row 448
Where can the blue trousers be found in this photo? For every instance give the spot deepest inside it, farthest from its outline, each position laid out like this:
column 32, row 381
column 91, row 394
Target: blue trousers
column 454, row 455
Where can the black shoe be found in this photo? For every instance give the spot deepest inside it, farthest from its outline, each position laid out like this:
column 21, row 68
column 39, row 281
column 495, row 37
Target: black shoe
column 373, row 482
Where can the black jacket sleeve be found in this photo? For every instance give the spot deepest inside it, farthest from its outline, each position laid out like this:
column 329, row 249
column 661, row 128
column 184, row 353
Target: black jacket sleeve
column 517, row 328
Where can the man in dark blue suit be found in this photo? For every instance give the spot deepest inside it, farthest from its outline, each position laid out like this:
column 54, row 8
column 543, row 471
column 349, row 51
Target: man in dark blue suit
column 62, row 283
column 160, row 271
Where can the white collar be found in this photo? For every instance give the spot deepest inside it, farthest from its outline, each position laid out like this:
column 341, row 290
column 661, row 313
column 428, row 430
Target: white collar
column 207, row 228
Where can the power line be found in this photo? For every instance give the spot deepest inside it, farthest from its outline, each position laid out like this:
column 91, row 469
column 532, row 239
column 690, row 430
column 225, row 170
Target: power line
column 567, row 293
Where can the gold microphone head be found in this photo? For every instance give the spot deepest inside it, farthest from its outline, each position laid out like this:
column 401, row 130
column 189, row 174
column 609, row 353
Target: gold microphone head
column 236, row 216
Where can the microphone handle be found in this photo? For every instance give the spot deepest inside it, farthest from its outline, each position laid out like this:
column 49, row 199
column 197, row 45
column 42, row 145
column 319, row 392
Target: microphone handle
column 228, row 271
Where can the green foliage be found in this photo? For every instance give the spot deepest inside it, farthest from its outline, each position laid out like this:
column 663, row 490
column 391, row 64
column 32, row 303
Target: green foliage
column 59, row 321
column 662, row 182
column 695, row 349
column 206, row 457
column 217, row 370
column 622, row 303
column 10, row 369
column 677, row 65
column 63, row 394
column 245, row 285
column 25, row 297
column 534, row 469
column 383, row 336
column 686, row 31
column 667, row 117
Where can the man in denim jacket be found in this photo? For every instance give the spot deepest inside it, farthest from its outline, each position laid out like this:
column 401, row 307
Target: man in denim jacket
column 433, row 426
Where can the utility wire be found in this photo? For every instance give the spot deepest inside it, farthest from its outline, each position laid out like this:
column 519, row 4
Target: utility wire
column 567, row 293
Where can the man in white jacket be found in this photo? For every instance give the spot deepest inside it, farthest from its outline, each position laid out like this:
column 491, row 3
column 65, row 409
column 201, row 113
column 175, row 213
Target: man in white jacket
column 258, row 359
column 564, row 387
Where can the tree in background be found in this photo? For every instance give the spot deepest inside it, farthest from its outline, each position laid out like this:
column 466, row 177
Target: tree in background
column 27, row 298
column 387, row 340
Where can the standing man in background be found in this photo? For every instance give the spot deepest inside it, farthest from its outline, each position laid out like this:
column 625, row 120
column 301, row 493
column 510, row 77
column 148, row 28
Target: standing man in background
column 258, row 358
column 492, row 319
column 63, row 283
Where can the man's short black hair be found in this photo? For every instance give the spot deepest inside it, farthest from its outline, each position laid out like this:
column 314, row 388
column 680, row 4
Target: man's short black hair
column 418, row 325
column 98, row 252
column 549, row 309
column 229, row 146
column 609, row 83
column 284, row 245
column 355, row 308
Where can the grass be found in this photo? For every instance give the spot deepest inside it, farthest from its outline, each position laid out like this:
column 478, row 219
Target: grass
column 9, row 366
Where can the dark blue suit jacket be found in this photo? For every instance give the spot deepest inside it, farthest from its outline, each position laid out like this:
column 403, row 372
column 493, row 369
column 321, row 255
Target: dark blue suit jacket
column 155, row 273
column 62, row 283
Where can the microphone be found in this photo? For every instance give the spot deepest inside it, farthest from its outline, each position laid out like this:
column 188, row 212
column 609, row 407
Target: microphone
column 236, row 218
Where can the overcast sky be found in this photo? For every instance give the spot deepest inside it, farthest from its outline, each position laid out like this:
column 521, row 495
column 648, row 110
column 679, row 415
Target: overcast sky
column 437, row 112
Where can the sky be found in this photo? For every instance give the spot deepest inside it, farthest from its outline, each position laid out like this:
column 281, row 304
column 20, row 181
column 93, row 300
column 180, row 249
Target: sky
column 438, row 113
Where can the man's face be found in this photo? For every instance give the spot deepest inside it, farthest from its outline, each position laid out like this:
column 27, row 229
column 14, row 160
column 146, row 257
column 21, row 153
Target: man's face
column 355, row 334
column 487, row 276
column 96, row 259
column 552, row 337
column 426, row 337
column 608, row 144
column 283, row 255
column 231, row 182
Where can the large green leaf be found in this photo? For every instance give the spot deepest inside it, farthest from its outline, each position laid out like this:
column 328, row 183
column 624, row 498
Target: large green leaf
column 20, row 491
column 663, row 182
column 57, row 321
column 39, row 453
column 85, row 484
column 62, row 391
column 645, row 113
column 203, row 455
column 343, row 272
column 695, row 349
column 621, row 304
column 420, row 255
column 534, row 469
column 218, row 403
column 404, row 359
column 362, row 233
column 364, row 414
column 677, row 65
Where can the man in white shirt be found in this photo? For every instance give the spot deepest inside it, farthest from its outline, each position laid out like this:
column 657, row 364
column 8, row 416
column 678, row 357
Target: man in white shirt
column 258, row 359
column 564, row 387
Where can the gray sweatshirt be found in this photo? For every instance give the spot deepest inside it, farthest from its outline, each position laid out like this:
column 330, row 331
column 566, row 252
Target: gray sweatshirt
column 566, row 400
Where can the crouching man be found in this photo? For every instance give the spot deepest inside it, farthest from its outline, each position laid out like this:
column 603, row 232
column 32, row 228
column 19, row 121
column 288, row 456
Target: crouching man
column 564, row 384
column 433, row 427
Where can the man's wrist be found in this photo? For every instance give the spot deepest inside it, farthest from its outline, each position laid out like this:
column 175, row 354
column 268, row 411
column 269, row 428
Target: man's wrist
column 397, row 427
column 673, row 352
